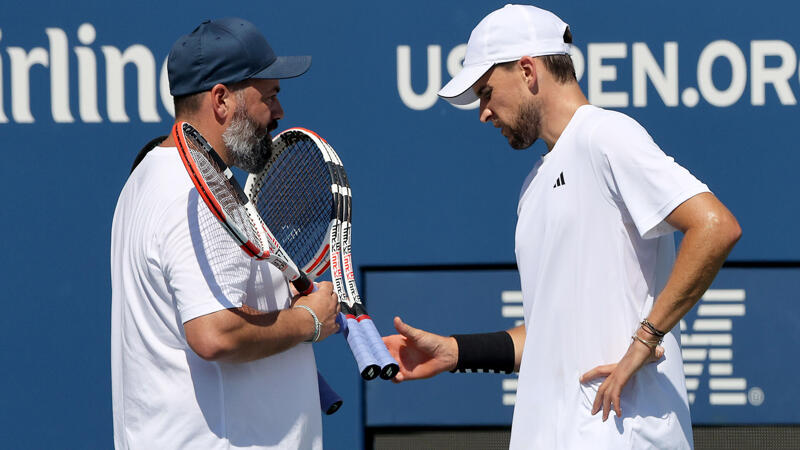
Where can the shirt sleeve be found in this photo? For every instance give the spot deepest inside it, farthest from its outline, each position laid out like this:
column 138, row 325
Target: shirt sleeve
column 639, row 175
column 204, row 267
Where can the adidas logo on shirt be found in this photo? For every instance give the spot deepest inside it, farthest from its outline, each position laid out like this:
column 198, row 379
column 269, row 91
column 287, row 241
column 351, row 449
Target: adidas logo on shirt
column 560, row 181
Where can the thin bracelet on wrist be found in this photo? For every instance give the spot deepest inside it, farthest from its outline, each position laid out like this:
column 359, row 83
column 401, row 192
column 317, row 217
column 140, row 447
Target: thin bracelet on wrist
column 317, row 324
column 650, row 344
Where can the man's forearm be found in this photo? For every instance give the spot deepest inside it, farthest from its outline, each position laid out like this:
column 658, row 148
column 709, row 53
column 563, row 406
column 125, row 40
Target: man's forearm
column 245, row 334
column 702, row 252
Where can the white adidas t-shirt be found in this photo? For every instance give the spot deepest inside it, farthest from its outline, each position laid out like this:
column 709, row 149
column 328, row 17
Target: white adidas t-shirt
column 593, row 252
column 171, row 261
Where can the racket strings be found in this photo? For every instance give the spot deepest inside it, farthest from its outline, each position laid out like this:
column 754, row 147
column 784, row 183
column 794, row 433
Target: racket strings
column 230, row 267
column 294, row 199
column 222, row 191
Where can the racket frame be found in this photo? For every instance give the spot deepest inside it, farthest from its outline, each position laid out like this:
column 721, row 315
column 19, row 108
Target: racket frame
column 268, row 249
column 366, row 326
column 319, row 263
column 329, row 255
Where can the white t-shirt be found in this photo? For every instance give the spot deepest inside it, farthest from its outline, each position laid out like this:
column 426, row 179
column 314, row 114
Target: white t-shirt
column 593, row 252
column 171, row 261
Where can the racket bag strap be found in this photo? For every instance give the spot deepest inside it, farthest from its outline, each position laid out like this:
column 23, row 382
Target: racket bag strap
column 485, row 352
column 146, row 149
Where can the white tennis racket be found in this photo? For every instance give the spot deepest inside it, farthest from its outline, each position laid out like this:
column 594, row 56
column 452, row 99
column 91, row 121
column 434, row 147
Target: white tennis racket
column 297, row 195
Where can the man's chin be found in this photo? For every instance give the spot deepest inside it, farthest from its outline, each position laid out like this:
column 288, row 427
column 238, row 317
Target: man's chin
column 518, row 144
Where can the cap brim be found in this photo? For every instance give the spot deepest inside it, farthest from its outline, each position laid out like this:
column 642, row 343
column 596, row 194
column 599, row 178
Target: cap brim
column 459, row 90
column 285, row 67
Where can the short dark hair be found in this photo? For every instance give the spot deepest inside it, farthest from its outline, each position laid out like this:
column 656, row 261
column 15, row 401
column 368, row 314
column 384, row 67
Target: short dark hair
column 189, row 104
column 560, row 66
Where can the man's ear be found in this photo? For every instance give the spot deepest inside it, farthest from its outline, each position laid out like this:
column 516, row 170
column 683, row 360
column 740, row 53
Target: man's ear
column 528, row 66
column 221, row 102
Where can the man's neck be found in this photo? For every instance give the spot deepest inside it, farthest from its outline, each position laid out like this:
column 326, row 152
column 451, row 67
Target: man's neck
column 212, row 133
column 563, row 104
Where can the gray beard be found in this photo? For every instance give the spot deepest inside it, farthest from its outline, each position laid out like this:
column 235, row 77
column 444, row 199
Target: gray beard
column 249, row 149
column 525, row 130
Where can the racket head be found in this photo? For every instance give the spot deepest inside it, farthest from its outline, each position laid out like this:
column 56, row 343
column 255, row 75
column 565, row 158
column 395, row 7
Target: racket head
column 219, row 190
column 327, row 251
column 294, row 197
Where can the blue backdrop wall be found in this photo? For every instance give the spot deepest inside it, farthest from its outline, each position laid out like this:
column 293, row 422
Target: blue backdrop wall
column 83, row 87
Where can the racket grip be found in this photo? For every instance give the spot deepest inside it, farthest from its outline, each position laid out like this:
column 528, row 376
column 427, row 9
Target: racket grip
column 389, row 366
column 329, row 400
column 342, row 321
column 303, row 285
column 367, row 365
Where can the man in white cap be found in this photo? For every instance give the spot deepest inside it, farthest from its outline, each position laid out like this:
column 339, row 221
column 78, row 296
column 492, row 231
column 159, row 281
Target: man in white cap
column 602, row 287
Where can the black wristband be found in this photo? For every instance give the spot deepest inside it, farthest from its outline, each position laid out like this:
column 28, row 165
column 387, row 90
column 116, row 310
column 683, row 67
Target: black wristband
column 485, row 352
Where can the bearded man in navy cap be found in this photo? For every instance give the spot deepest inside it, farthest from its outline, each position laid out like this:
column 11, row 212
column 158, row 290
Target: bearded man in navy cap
column 207, row 350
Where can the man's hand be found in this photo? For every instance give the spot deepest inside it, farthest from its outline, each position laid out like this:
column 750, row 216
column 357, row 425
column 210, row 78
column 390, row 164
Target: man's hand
column 325, row 304
column 618, row 374
column 419, row 353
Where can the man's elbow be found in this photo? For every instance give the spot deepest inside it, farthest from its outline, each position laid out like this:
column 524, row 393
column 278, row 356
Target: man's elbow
column 210, row 345
column 735, row 233
column 728, row 230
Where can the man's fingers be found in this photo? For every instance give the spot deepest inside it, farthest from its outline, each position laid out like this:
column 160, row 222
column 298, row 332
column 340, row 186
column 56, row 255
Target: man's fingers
column 393, row 343
column 590, row 375
column 598, row 400
column 325, row 287
column 606, row 406
column 617, row 408
column 406, row 330
column 598, row 372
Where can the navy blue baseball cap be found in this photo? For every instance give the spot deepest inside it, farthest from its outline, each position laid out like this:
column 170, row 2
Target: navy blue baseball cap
column 226, row 51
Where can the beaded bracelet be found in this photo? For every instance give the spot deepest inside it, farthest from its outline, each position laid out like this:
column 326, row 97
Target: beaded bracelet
column 317, row 324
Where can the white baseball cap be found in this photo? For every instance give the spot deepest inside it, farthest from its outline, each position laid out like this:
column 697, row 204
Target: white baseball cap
column 506, row 34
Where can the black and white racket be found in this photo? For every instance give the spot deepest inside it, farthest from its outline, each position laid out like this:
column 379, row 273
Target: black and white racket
column 380, row 353
column 297, row 196
column 227, row 201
